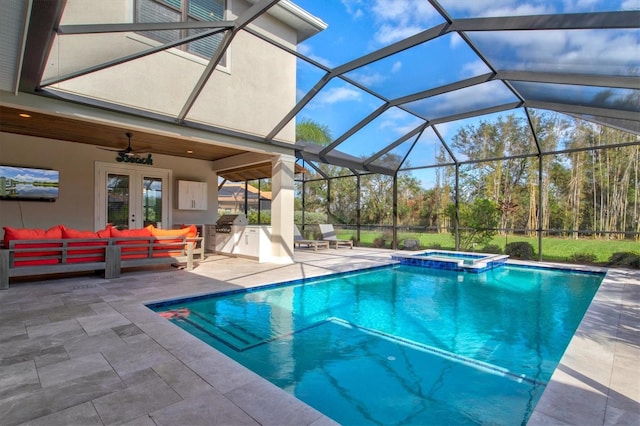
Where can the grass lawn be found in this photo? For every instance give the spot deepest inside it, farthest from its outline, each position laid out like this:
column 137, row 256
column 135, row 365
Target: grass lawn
column 553, row 248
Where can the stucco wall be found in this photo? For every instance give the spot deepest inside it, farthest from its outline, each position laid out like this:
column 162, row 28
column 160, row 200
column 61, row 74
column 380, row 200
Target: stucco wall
column 251, row 94
column 76, row 162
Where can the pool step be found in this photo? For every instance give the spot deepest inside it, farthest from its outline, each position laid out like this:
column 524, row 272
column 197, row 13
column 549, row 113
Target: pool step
column 231, row 334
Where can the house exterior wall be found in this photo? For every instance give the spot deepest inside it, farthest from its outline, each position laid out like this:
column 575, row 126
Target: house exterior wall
column 252, row 93
column 75, row 206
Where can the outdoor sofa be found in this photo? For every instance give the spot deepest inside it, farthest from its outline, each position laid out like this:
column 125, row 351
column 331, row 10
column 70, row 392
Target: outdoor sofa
column 59, row 249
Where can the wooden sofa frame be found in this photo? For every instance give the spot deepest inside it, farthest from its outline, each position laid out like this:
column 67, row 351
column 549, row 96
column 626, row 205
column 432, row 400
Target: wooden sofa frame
column 107, row 252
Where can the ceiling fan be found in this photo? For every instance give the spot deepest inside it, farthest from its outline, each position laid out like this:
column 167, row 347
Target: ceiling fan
column 128, row 150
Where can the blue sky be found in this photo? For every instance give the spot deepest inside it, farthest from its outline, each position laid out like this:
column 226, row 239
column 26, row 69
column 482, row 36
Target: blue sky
column 358, row 27
column 29, row 175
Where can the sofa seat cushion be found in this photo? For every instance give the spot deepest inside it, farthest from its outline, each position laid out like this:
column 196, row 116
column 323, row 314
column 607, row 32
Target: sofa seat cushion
column 48, row 257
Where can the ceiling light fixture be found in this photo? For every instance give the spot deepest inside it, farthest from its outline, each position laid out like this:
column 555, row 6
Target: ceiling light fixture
column 25, row 115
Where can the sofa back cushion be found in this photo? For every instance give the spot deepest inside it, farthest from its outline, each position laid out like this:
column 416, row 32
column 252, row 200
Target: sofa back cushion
column 165, row 235
column 86, row 253
column 47, row 257
column 127, row 252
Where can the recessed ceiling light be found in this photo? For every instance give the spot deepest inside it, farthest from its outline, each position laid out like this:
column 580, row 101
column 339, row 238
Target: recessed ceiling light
column 25, row 115
column 189, row 151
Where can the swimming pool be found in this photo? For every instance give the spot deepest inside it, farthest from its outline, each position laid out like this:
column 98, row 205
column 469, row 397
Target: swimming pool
column 402, row 344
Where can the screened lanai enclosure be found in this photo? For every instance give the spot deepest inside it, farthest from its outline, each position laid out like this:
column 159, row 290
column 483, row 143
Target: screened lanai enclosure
column 487, row 123
column 467, row 125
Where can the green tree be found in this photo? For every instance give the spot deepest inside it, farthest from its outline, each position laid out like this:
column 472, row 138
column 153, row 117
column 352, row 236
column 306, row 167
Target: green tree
column 341, row 193
column 478, row 221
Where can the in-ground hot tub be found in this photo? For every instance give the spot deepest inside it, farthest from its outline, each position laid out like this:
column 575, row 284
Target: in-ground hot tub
column 452, row 260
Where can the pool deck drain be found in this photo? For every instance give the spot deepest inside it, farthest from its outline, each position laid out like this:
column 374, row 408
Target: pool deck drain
column 73, row 349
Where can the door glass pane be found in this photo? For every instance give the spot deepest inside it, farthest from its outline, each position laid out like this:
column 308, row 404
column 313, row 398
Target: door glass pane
column 118, row 200
column 152, row 201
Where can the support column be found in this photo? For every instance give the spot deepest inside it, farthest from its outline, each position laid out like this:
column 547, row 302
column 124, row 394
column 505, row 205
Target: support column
column 282, row 193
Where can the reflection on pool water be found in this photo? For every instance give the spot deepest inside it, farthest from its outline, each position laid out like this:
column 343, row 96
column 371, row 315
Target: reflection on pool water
column 402, row 344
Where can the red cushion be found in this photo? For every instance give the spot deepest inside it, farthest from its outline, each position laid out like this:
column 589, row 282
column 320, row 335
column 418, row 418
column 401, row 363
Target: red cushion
column 105, row 233
column 161, row 250
column 129, row 233
column 53, row 233
column 156, row 232
column 132, row 252
column 96, row 255
column 193, row 231
column 74, row 233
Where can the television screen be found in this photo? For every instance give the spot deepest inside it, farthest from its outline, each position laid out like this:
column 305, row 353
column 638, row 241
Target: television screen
column 24, row 183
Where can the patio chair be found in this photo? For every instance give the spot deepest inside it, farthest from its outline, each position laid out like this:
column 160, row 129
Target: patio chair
column 329, row 234
column 299, row 240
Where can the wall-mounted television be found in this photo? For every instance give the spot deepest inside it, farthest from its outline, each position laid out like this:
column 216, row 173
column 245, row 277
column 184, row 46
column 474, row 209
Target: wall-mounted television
column 27, row 183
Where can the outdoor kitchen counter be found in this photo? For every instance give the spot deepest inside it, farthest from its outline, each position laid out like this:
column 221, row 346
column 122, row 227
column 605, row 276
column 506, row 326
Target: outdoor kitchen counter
column 251, row 241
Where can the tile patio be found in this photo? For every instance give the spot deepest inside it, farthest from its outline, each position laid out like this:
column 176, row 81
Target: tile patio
column 86, row 351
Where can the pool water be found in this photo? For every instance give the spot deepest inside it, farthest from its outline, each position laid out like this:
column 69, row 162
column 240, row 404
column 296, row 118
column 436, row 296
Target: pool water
column 402, row 344
column 453, row 255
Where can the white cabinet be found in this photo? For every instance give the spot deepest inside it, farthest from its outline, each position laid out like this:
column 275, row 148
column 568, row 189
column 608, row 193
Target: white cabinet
column 192, row 195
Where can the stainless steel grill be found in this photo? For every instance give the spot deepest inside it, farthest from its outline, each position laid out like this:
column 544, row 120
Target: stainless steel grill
column 225, row 222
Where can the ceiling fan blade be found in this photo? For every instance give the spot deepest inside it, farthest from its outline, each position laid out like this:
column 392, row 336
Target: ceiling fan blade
column 128, row 150
column 111, row 149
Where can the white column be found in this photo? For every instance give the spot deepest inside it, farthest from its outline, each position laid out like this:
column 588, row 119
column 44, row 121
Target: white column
column 282, row 196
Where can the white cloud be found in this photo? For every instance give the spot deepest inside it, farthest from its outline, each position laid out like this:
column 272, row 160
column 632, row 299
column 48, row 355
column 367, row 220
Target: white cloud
column 519, row 10
column 307, row 51
column 353, row 8
column 473, row 97
column 398, row 121
column 463, row 100
column 486, row 8
column 369, row 79
column 338, row 94
column 630, row 5
column 397, row 66
column 398, row 19
column 576, row 51
column 472, row 69
column 388, row 34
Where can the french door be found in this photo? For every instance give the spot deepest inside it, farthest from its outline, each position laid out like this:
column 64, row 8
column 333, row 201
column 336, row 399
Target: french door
column 132, row 197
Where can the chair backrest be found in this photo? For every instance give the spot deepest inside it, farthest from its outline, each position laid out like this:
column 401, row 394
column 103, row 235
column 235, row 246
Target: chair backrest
column 327, row 231
column 296, row 233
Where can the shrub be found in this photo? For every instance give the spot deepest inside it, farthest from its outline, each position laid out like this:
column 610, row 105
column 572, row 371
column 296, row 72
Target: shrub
column 625, row 259
column 491, row 248
column 583, row 258
column 378, row 242
column 310, row 217
column 519, row 250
